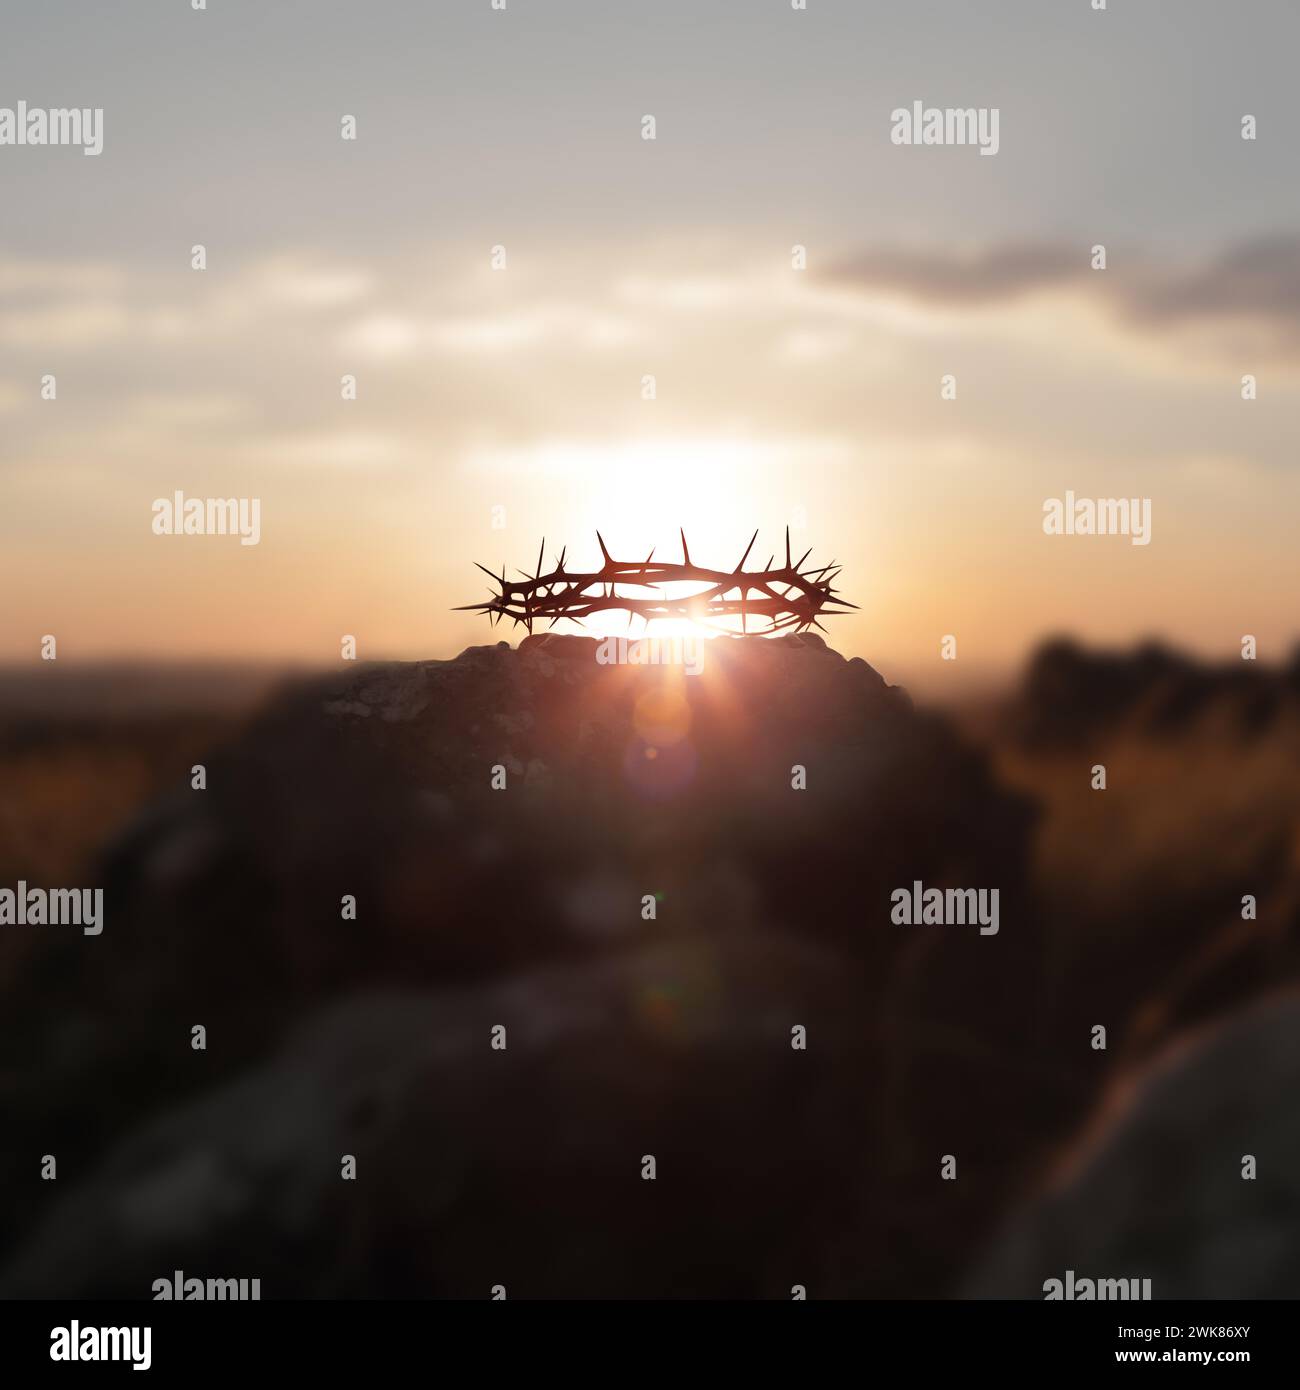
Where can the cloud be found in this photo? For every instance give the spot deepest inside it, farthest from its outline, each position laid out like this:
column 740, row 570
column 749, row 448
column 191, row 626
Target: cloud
column 1257, row 279
column 970, row 277
column 308, row 283
column 343, row 450
column 1250, row 290
column 80, row 307
column 83, row 325
column 550, row 325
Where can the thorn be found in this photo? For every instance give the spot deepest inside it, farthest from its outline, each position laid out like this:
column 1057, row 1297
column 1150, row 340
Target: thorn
column 802, row 557
column 787, row 547
column 486, row 571
column 603, row 551
column 748, row 548
column 541, row 550
column 686, row 554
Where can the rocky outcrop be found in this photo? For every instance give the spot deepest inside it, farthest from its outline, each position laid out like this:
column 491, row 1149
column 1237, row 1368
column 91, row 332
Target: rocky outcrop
column 631, row 1031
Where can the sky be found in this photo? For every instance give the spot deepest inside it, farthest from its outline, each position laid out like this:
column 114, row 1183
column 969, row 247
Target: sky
column 495, row 407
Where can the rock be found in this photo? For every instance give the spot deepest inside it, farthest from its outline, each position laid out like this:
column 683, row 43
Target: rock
column 521, row 1166
column 1154, row 1188
column 623, row 782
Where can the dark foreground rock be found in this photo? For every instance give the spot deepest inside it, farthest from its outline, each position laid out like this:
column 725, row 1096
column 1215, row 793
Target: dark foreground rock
column 630, row 1033
column 523, row 1166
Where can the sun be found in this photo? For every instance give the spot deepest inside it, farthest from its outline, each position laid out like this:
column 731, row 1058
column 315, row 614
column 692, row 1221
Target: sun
column 640, row 578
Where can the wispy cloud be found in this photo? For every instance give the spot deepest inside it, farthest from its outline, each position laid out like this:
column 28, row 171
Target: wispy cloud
column 1250, row 289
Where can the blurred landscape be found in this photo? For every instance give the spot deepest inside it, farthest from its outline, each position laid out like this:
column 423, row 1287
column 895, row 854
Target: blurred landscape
column 522, row 907
column 412, row 284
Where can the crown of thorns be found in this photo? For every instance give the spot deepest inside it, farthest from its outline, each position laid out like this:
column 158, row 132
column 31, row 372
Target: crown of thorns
column 784, row 596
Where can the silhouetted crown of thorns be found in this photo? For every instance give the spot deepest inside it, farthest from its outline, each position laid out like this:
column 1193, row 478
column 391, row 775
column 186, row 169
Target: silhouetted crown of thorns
column 785, row 596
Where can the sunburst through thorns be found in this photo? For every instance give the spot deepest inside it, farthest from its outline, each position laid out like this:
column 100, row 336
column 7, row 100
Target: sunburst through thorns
column 776, row 598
